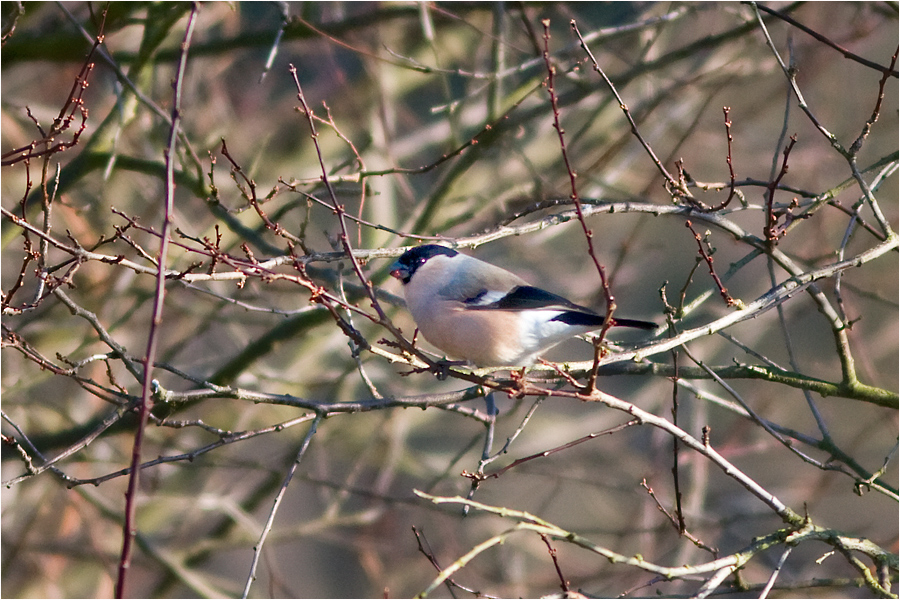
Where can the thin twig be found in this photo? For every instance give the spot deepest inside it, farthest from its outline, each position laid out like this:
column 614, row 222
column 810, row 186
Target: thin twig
column 677, row 520
column 496, row 474
column 888, row 71
column 670, row 181
column 156, row 320
column 588, row 234
column 563, row 584
column 706, row 255
column 257, row 550
column 771, row 231
column 775, row 572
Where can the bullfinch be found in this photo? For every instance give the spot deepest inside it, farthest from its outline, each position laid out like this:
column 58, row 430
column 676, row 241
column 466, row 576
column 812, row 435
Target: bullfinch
column 475, row 311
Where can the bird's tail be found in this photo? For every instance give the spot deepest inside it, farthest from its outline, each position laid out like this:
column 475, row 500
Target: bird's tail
column 634, row 323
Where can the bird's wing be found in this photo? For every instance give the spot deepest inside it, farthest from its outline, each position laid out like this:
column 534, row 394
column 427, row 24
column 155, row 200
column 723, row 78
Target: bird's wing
column 524, row 297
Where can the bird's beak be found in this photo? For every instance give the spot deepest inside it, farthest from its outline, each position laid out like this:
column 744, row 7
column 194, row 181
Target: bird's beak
column 400, row 272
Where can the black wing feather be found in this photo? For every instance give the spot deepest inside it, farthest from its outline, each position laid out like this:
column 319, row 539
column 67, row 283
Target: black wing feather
column 527, row 297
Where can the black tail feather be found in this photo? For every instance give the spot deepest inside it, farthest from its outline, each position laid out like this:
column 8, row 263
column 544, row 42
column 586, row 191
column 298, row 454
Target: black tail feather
column 587, row 319
column 634, row 323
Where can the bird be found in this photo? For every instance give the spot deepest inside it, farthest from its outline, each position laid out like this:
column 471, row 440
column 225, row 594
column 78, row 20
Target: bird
column 485, row 315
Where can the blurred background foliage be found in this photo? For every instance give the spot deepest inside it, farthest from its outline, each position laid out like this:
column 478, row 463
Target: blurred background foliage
column 401, row 91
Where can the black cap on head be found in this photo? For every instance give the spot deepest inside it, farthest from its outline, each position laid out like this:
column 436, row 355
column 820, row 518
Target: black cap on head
column 414, row 258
